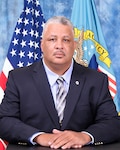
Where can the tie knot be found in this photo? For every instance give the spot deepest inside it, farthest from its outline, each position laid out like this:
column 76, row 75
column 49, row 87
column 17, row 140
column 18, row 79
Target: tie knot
column 60, row 80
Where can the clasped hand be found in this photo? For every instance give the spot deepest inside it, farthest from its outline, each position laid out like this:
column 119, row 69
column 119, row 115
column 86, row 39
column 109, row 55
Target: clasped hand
column 63, row 139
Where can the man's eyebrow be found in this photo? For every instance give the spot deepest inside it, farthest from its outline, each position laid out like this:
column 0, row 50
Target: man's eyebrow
column 66, row 36
column 53, row 36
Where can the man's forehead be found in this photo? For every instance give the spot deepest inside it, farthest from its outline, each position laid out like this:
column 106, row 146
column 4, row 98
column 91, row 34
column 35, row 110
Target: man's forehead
column 58, row 29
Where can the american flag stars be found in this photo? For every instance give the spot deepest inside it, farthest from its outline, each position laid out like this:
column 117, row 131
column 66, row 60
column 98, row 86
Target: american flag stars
column 25, row 45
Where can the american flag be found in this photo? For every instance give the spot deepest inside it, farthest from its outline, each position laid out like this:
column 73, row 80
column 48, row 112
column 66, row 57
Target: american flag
column 3, row 144
column 24, row 48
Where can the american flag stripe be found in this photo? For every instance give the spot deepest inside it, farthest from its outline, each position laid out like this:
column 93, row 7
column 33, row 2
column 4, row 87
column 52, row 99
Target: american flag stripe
column 111, row 80
column 4, row 74
column 3, row 144
column 3, row 77
column 1, row 94
column 112, row 90
column 113, row 87
column 7, row 67
column 3, row 81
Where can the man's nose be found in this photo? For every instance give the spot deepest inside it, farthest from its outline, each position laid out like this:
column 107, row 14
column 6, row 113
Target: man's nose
column 59, row 44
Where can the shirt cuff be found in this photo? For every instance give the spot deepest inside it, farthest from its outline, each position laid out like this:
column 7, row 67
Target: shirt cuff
column 33, row 136
column 92, row 138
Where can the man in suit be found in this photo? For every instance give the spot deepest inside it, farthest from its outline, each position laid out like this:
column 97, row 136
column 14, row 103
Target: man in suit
column 28, row 113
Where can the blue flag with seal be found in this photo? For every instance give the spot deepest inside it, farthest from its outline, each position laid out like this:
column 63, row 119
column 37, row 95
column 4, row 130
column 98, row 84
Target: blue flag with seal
column 92, row 50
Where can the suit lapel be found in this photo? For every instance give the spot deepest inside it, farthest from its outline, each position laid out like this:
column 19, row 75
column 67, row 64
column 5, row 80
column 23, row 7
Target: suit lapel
column 43, row 87
column 76, row 85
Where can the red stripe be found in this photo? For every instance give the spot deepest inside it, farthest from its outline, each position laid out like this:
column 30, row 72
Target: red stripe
column 3, row 144
column 99, row 70
column 112, row 89
column 111, row 80
column 3, row 81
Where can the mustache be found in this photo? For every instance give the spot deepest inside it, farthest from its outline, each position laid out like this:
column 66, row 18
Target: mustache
column 59, row 51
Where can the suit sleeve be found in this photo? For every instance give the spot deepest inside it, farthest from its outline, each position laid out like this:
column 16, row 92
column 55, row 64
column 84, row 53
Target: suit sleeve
column 105, row 128
column 12, row 128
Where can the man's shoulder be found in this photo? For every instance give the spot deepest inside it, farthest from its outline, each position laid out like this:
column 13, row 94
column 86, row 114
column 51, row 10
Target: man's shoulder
column 26, row 69
column 80, row 69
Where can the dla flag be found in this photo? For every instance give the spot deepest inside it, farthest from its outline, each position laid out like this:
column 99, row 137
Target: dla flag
column 94, row 52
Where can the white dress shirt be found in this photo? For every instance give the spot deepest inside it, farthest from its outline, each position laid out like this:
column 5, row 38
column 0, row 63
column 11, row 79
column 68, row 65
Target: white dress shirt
column 52, row 77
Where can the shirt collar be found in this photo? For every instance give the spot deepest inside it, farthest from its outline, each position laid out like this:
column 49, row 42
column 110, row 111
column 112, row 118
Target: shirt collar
column 52, row 77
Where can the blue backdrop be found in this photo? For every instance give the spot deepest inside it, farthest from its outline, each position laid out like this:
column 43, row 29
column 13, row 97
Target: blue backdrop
column 108, row 12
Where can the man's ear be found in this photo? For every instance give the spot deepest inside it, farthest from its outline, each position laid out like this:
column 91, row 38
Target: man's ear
column 41, row 44
column 75, row 44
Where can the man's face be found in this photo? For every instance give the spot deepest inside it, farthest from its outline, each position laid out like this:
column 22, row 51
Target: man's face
column 58, row 45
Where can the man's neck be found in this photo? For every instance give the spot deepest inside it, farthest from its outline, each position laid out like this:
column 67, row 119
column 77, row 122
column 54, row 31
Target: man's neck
column 59, row 69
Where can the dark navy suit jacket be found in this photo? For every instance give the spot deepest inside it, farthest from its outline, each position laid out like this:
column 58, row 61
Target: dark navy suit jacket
column 28, row 105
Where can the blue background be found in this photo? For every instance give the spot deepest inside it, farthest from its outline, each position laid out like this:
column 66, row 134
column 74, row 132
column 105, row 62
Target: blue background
column 108, row 12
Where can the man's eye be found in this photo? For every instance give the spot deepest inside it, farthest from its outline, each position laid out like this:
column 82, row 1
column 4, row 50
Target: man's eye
column 52, row 39
column 66, row 40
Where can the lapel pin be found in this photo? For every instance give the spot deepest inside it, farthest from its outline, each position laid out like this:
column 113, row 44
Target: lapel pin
column 77, row 82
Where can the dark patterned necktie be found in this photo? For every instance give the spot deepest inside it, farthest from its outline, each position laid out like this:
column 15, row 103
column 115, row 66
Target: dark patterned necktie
column 60, row 98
